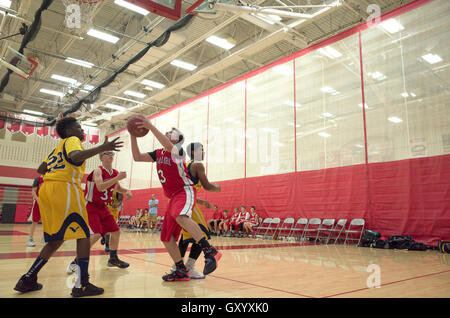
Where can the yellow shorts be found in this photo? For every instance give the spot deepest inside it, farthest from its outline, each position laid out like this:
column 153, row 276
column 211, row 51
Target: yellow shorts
column 63, row 211
column 114, row 212
column 197, row 217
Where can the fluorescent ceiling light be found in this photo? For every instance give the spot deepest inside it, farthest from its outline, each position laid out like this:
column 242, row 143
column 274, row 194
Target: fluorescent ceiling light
column 327, row 115
column 223, row 43
column 329, row 90
column 432, row 58
column 79, row 62
column 395, row 120
column 131, row 7
column 103, row 36
column 328, row 51
column 65, row 79
column 32, row 112
column 89, row 87
column 404, row 94
column 392, row 26
column 186, row 66
column 324, row 134
column 134, row 94
column 148, row 88
column 291, row 103
column 152, row 84
column 377, row 75
column 115, row 107
column 51, row 92
column 5, row 3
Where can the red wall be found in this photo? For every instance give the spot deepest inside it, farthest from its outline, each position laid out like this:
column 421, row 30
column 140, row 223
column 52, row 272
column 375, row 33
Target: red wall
column 407, row 197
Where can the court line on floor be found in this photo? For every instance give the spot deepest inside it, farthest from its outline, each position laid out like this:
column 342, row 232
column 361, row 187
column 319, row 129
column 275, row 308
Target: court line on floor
column 385, row 284
column 30, row 254
column 224, row 278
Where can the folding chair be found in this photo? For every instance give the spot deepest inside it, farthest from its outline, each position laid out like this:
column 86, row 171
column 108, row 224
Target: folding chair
column 273, row 228
column 336, row 232
column 324, row 230
column 356, row 227
column 264, row 226
column 311, row 229
column 257, row 227
column 299, row 227
column 286, row 227
column 123, row 220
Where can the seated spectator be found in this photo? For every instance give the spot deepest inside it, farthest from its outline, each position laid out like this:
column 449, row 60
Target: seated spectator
column 229, row 225
column 244, row 216
column 134, row 219
column 214, row 221
column 224, row 223
column 252, row 222
column 143, row 221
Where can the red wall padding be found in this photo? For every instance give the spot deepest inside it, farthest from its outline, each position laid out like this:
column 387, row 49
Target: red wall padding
column 407, row 197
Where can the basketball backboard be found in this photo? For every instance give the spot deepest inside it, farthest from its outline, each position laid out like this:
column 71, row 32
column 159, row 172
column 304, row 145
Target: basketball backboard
column 167, row 8
column 18, row 63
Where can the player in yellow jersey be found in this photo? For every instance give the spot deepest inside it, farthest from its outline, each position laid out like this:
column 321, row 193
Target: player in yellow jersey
column 62, row 205
column 197, row 174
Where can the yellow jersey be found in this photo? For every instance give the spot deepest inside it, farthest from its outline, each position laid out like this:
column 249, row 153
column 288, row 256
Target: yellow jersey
column 59, row 165
column 196, row 181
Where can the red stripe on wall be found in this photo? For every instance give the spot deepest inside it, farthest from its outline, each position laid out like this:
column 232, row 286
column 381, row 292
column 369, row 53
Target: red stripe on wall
column 17, row 172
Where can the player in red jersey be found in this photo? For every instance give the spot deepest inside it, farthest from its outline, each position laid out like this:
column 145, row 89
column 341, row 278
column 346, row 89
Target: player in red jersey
column 35, row 212
column 178, row 187
column 100, row 186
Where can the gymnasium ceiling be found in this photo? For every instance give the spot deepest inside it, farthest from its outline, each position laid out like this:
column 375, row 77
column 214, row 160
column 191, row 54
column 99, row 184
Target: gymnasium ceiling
column 257, row 43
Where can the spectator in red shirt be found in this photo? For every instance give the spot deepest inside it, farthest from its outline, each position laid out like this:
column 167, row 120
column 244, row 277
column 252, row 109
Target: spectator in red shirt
column 213, row 223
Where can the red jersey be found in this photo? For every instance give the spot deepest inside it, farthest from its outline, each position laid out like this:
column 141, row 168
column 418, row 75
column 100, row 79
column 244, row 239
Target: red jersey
column 37, row 183
column 91, row 192
column 172, row 172
column 217, row 216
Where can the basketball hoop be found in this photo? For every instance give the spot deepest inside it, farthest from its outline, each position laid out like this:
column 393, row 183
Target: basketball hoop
column 18, row 63
column 79, row 14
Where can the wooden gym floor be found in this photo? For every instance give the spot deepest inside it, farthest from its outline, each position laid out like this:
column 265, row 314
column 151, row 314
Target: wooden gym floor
column 249, row 268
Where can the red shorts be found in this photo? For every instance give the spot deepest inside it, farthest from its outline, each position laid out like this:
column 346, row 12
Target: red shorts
column 35, row 212
column 101, row 221
column 181, row 203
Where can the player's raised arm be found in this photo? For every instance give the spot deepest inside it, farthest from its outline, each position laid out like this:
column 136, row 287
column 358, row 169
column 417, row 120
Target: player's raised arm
column 163, row 139
column 137, row 154
column 81, row 155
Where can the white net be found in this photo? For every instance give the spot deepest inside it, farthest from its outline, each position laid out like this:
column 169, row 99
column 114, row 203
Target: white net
column 80, row 15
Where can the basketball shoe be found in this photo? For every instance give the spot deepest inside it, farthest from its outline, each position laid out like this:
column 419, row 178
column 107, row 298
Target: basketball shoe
column 212, row 257
column 27, row 284
column 180, row 274
column 87, row 290
column 116, row 262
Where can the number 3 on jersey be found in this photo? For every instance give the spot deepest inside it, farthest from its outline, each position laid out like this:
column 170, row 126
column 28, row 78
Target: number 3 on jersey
column 161, row 176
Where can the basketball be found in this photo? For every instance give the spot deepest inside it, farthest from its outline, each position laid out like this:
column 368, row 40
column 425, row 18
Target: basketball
column 133, row 129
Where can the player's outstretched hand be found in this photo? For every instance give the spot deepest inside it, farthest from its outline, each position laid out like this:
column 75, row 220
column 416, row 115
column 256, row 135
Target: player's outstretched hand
column 113, row 144
column 122, row 175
